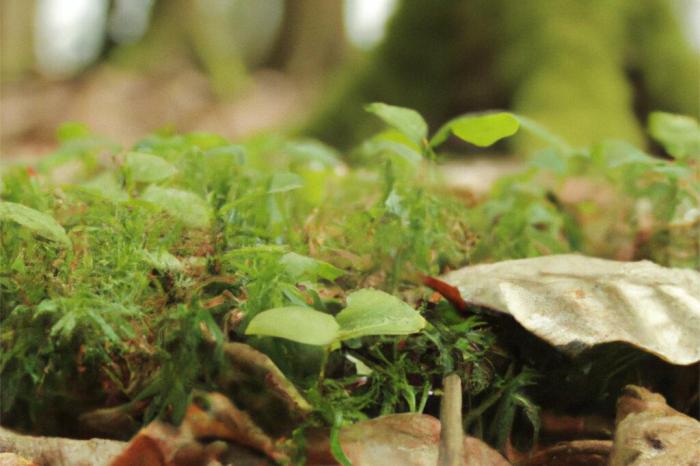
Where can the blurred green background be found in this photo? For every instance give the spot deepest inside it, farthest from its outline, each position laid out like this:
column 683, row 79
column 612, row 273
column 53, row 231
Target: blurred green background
column 588, row 69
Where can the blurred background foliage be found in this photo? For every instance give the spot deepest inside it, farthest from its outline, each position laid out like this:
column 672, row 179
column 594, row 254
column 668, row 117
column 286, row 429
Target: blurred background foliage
column 588, row 69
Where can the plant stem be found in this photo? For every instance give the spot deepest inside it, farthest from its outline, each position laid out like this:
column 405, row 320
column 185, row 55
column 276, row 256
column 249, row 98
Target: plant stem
column 451, row 432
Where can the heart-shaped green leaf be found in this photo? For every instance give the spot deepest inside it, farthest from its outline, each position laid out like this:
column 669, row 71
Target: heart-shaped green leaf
column 484, row 130
column 374, row 312
column 296, row 323
column 408, row 121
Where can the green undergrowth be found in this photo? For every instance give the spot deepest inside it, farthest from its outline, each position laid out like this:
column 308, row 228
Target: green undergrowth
column 123, row 272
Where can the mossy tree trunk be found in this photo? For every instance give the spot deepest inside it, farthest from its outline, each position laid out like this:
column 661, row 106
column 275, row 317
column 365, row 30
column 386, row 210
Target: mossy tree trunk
column 566, row 63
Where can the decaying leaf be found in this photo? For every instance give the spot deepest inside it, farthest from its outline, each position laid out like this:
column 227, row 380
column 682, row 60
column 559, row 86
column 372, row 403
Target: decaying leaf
column 575, row 453
column 55, row 451
column 10, row 459
column 211, row 421
column 651, row 433
column 575, row 302
column 118, row 422
column 258, row 386
column 407, row 439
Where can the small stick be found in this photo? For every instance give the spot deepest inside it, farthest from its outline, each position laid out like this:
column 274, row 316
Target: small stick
column 451, row 432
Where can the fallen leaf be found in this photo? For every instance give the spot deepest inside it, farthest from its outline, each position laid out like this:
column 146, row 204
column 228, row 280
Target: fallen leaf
column 55, row 451
column 564, row 427
column 10, row 459
column 651, row 433
column 259, row 387
column 116, row 422
column 407, row 439
column 575, row 453
column 575, row 302
column 211, row 421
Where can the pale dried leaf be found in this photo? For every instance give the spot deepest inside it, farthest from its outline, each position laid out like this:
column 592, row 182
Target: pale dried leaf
column 407, row 439
column 55, row 451
column 10, row 459
column 651, row 433
column 575, row 302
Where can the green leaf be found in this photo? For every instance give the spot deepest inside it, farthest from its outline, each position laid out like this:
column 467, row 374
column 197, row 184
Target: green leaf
column 106, row 186
column 185, row 206
column 72, row 130
column 147, row 168
column 484, row 130
column 205, row 141
column 104, row 327
column 64, row 326
column 374, row 312
column 296, row 323
column 285, row 181
column 679, row 134
column 543, row 134
column 163, row 260
column 40, row 223
column 306, row 268
column 312, row 151
column 408, row 121
column 402, row 151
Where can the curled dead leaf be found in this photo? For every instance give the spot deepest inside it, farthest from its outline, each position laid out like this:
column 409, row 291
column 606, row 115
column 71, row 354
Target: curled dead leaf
column 211, row 421
column 575, row 302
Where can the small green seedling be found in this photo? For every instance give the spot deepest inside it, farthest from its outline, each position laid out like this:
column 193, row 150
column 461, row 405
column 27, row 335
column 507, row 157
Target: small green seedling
column 481, row 130
column 368, row 312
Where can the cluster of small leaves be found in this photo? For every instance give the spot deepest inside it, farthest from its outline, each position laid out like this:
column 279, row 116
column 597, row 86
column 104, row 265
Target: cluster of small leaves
column 124, row 282
column 122, row 285
column 643, row 206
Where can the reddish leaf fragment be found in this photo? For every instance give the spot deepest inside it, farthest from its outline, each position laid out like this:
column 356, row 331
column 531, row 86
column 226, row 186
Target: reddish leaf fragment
column 212, row 417
column 449, row 292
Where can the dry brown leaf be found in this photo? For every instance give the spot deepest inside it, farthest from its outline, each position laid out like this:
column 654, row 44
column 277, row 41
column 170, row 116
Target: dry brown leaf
column 575, row 453
column 651, row 433
column 55, row 451
column 398, row 439
column 575, row 302
column 211, row 417
column 259, row 387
